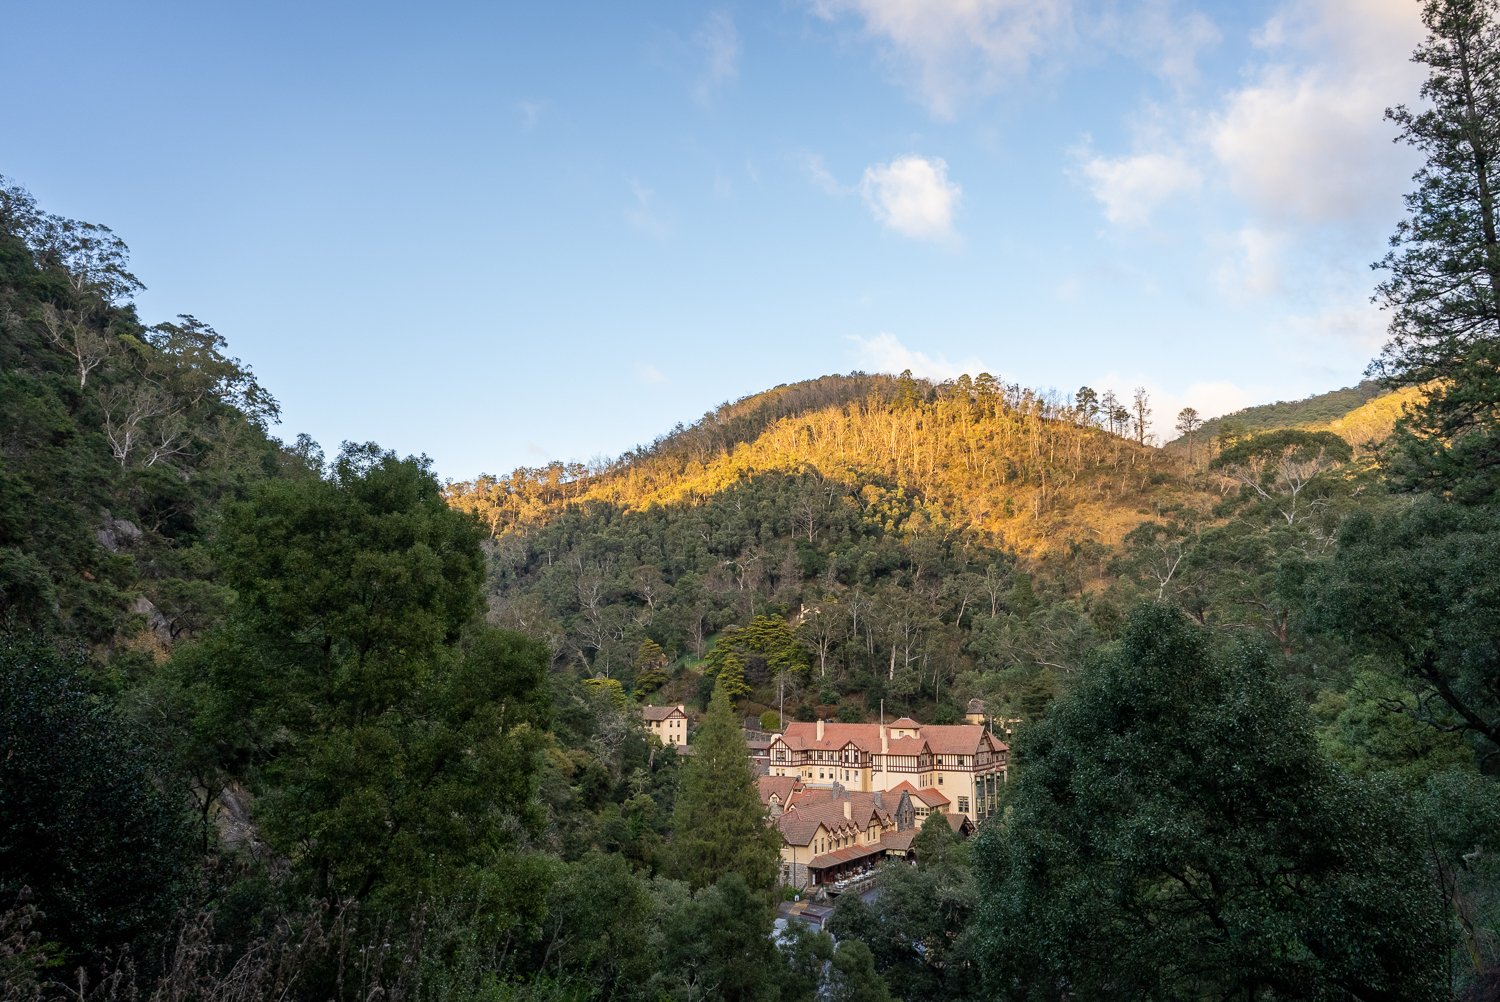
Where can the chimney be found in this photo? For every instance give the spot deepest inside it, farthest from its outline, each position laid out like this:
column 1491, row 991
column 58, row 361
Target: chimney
column 885, row 744
column 820, row 728
column 682, row 707
column 880, row 799
column 848, row 811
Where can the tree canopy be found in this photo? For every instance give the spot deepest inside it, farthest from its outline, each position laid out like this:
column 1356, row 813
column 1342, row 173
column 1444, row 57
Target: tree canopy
column 87, row 833
column 720, row 826
column 1176, row 834
column 390, row 733
column 1442, row 288
column 1422, row 587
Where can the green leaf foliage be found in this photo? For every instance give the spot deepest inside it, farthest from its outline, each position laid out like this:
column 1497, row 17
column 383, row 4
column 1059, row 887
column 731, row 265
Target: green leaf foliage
column 117, row 441
column 919, row 928
column 719, row 826
column 1176, row 834
column 1442, row 287
column 1421, row 587
column 85, row 828
column 393, row 740
column 1318, row 409
column 1378, row 727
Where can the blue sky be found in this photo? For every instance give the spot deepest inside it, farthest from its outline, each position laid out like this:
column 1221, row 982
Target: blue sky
column 501, row 234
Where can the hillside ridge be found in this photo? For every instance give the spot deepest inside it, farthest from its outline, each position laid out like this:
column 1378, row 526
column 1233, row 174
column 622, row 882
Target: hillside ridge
column 1001, row 460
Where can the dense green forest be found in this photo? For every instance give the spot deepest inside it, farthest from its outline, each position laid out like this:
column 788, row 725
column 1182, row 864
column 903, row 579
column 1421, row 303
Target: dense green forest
column 275, row 723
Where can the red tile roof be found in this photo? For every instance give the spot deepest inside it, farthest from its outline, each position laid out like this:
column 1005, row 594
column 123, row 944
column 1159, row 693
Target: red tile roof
column 942, row 739
column 897, row 841
column 798, row 826
column 848, row 854
column 956, row 739
column 862, row 806
column 807, row 810
column 957, row 822
column 782, row 786
column 835, row 735
column 928, row 797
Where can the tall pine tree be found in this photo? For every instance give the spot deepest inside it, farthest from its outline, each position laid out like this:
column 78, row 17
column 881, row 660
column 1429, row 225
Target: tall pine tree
column 720, row 826
column 1443, row 289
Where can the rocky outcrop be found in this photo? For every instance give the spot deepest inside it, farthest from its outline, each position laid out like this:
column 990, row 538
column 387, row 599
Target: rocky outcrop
column 117, row 534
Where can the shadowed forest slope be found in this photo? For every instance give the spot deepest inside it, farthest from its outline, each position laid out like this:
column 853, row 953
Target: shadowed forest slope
column 898, row 537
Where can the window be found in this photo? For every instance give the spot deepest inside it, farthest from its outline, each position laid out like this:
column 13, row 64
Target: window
column 963, row 805
column 940, row 779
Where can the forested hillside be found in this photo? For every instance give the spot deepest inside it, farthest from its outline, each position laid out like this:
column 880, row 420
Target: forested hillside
column 118, row 439
column 275, row 724
column 912, row 543
column 1365, row 414
column 1003, row 462
column 255, row 739
column 894, row 530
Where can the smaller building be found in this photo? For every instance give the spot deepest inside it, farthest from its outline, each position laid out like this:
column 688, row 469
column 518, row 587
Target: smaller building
column 668, row 723
column 830, row 833
column 759, row 745
column 961, row 825
column 777, row 791
column 827, row 834
column 924, row 801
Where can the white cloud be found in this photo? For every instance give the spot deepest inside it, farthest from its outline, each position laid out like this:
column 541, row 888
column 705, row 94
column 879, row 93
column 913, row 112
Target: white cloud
column 720, row 44
column 1359, row 324
column 1303, row 148
column 885, row 353
column 1253, row 269
column 643, row 214
column 1155, row 33
column 1304, row 141
column 649, row 374
column 1132, row 187
column 1210, row 398
column 1299, row 143
column 913, row 196
column 956, row 49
